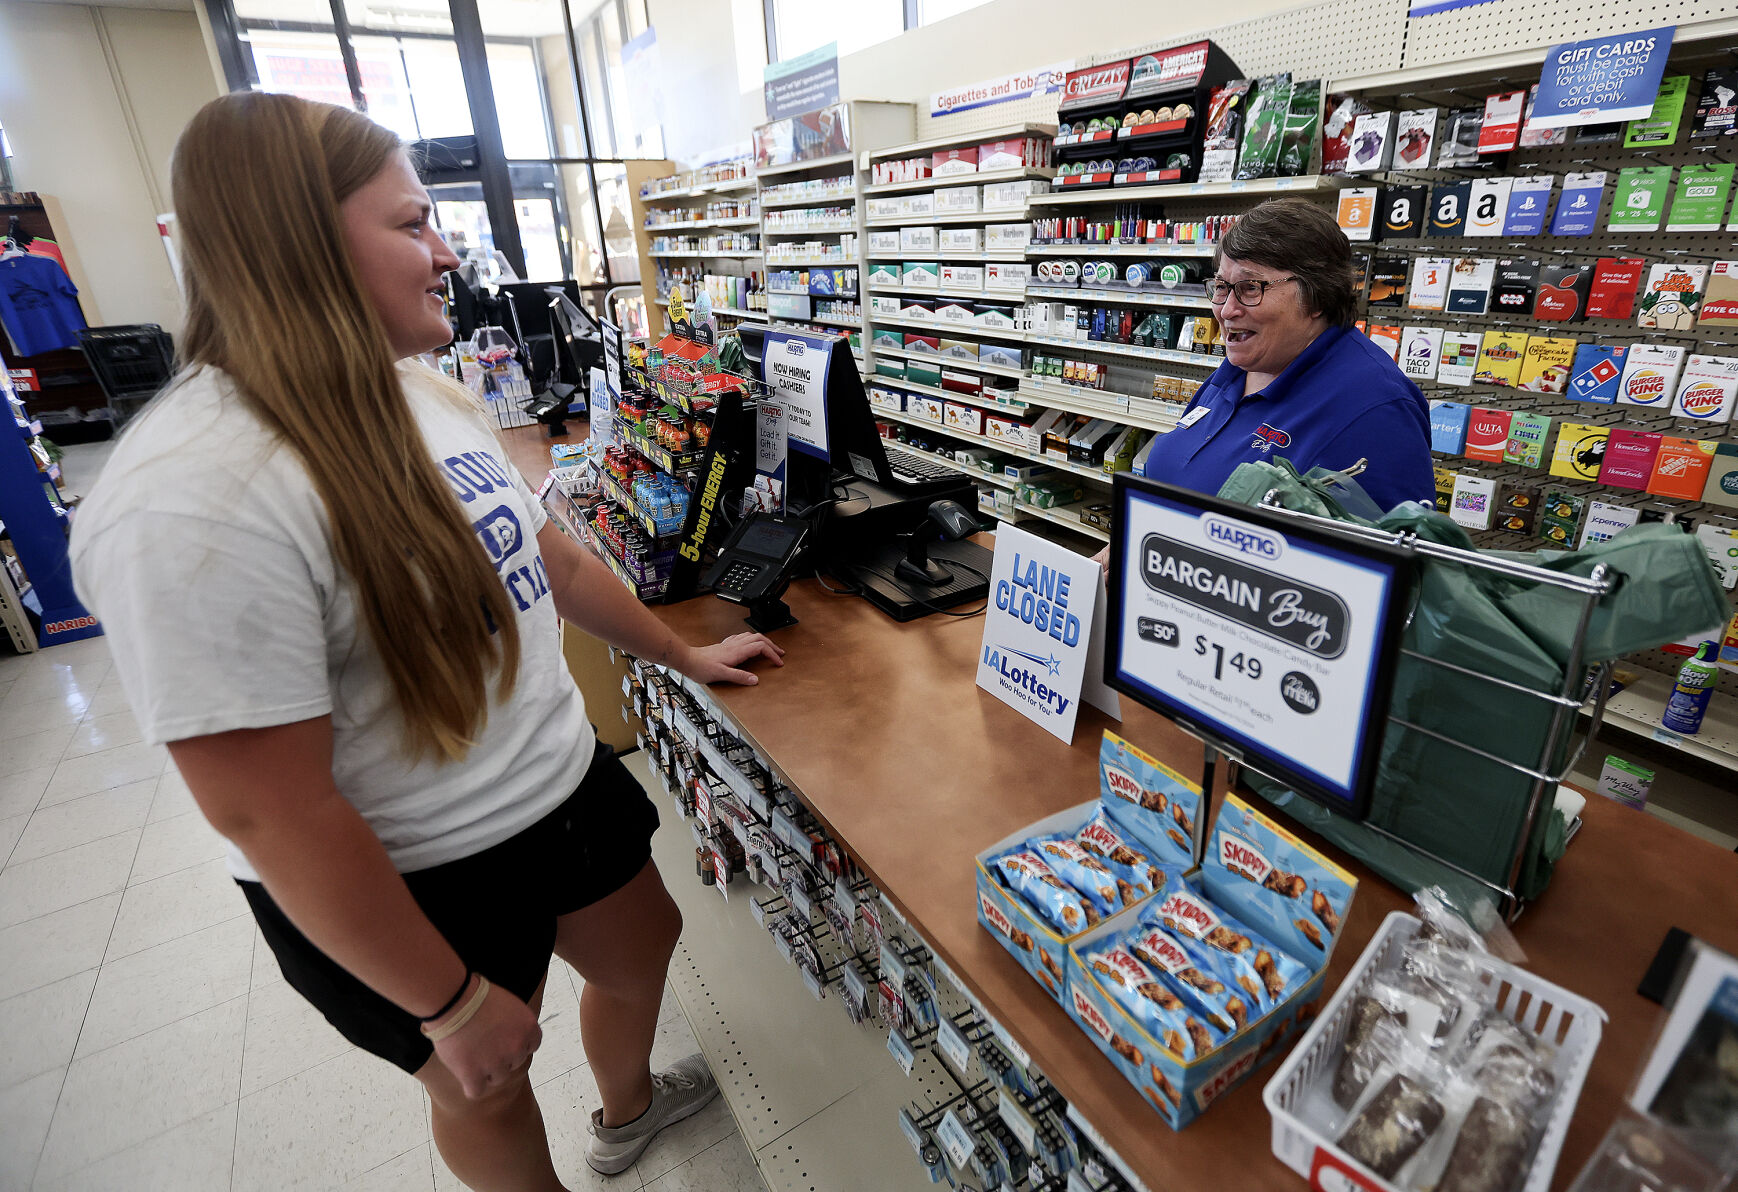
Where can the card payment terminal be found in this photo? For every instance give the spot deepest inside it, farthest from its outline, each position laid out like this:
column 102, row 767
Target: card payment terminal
column 753, row 567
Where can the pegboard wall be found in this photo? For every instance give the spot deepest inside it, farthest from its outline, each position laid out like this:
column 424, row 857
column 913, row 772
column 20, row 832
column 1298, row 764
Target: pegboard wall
column 1459, row 37
column 1653, row 247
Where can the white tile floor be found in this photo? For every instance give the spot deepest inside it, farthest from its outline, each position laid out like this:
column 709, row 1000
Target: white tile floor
column 147, row 1040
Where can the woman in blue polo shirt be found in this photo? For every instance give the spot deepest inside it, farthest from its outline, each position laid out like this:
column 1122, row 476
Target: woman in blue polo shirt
column 1298, row 380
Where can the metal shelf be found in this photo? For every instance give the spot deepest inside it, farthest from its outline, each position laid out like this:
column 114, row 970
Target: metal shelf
column 1121, row 250
column 836, row 320
column 981, row 137
column 836, row 229
column 1061, row 516
column 734, row 256
column 973, row 179
column 768, row 199
column 1188, row 190
column 994, row 370
column 1097, row 475
column 935, row 391
column 1076, row 400
column 1639, row 706
column 813, row 163
column 954, row 330
column 1127, row 297
column 781, row 262
column 1099, row 347
column 706, row 188
column 943, row 292
column 966, row 217
column 1010, row 258
column 738, row 221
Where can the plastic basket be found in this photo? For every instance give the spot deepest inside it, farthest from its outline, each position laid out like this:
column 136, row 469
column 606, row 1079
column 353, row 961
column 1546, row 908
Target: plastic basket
column 1572, row 1023
column 129, row 361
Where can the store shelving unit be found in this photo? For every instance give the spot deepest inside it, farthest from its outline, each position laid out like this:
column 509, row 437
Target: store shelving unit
column 1258, row 188
column 685, row 197
column 821, row 182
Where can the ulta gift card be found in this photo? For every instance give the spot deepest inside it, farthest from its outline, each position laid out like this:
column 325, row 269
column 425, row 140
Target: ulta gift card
column 1487, row 434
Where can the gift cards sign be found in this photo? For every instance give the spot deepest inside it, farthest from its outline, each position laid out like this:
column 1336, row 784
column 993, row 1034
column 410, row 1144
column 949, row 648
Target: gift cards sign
column 1602, row 79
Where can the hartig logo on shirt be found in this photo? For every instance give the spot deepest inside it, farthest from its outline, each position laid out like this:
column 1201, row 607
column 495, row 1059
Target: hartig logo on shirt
column 1268, row 436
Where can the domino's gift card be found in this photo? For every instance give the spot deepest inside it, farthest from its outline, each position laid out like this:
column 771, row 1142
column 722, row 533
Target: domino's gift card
column 1595, row 373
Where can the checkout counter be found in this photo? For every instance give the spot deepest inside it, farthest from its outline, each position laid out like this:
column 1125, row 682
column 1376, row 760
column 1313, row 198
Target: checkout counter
column 883, row 733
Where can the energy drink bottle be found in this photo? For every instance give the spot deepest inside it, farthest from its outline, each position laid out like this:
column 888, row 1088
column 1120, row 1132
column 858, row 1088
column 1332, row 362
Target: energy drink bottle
column 1693, row 690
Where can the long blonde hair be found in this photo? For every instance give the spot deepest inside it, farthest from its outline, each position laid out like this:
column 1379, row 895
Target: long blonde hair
column 274, row 301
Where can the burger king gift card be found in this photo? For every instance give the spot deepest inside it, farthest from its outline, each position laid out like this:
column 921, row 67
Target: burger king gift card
column 1708, row 390
column 1650, row 375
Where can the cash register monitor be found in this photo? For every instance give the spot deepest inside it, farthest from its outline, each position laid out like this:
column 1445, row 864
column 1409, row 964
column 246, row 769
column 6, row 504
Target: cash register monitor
column 854, row 448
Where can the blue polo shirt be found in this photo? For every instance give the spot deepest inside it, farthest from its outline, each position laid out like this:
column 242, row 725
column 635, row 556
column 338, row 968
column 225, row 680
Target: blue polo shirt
column 1340, row 401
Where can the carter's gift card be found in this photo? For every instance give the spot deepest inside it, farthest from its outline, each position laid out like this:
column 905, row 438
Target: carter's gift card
column 1448, row 420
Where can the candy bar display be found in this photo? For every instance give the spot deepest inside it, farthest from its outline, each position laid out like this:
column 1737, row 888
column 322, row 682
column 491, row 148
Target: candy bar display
column 1180, row 992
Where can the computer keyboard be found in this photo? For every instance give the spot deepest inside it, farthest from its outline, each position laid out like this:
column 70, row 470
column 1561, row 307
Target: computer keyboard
column 915, row 469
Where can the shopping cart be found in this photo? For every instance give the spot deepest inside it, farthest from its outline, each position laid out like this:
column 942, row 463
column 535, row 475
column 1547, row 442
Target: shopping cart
column 131, row 364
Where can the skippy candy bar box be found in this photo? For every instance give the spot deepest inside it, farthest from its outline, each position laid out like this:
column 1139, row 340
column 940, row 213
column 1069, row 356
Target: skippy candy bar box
column 1189, row 991
column 1067, row 873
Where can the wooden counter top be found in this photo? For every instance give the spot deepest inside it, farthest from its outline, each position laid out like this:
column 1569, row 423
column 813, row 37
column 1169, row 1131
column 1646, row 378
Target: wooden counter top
column 883, row 731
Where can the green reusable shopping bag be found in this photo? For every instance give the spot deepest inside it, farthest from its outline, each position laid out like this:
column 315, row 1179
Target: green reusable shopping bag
column 1470, row 810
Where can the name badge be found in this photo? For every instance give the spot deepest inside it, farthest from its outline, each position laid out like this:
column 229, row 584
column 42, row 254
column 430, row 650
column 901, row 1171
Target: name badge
column 1192, row 417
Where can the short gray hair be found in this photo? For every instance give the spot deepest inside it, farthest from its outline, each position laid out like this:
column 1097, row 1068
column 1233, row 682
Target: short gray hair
column 1301, row 238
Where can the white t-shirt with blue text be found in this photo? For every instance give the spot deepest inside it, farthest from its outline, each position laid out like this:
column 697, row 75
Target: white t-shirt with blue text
column 206, row 553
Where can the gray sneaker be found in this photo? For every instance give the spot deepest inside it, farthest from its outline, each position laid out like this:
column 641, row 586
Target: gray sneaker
column 679, row 1091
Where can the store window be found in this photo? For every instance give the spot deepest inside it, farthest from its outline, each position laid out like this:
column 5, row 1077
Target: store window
column 931, row 11
column 624, row 121
column 804, row 25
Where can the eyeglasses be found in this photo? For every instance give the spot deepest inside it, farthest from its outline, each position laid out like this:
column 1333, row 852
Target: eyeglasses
column 1249, row 291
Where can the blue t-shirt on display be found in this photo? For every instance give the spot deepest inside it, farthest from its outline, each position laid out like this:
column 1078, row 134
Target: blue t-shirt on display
column 38, row 304
column 1340, row 401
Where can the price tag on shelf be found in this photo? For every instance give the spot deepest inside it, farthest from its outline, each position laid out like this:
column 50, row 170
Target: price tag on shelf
column 956, row 1140
column 799, row 899
column 814, row 985
column 1015, row 1052
column 699, row 836
column 952, row 1044
column 856, row 985
column 757, row 802
column 783, row 945
column 893, row 969
column 900, row 1049
column 721, row 870
column 913, row 1132
column 786, row 830
column 842, row 895
column 757, row 910
column 1667, row 737
column 1019, row 1121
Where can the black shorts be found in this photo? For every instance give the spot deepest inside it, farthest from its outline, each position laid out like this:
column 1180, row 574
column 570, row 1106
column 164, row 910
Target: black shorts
column 497, row 908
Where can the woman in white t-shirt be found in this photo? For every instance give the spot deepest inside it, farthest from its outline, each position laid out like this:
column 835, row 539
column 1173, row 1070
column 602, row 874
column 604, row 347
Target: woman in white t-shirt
column 332, row 596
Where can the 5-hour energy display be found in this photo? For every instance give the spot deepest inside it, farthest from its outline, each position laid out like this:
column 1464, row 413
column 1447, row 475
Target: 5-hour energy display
column 1273, row 638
